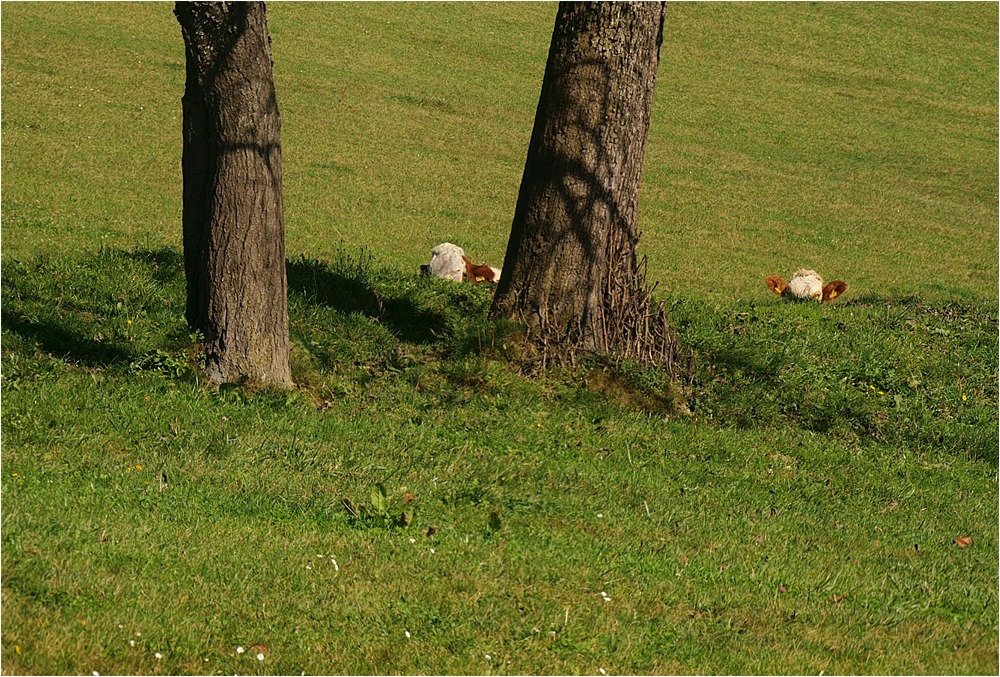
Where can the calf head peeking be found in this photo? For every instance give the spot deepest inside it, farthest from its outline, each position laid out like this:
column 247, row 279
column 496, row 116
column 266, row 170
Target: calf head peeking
column 446, row 262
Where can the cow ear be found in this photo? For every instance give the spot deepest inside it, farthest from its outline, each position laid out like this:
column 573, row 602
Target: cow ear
column 468, row 269
column 776, row 284
column 485, row 272
column 834, row 289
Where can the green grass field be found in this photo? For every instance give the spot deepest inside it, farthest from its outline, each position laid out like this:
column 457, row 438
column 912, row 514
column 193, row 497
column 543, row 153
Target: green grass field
column 419, row 505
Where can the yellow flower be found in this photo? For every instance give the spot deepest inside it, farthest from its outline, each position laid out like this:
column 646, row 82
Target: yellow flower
column 964, row 398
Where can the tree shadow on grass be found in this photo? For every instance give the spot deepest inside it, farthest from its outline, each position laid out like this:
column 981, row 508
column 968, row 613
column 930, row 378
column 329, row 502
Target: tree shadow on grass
column 347, row 287
column 82, row 308
column 165, row 264
column 78, row 308
column 63, row 340
column 887, row 370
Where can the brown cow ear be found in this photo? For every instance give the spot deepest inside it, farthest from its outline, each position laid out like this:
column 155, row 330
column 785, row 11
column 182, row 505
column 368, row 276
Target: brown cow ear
column 468, row 269
column 776, row 284
column 485, row 273
column 834, row 289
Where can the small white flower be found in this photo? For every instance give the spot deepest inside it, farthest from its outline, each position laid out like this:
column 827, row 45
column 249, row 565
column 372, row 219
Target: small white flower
column 336, row 567
column 407, row 633
column 239, row 649
column 432, row 551
column 308, row 567
column 602, row 671
column 489, row 657
column 260, row 656
column 95, row 673
column 158, row 655
column 131, row 642
column 600, row 514
column 413, row 540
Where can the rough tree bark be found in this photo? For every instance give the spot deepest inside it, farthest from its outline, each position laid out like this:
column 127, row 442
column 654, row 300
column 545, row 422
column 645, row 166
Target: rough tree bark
column 571, row 272
column 233, row 216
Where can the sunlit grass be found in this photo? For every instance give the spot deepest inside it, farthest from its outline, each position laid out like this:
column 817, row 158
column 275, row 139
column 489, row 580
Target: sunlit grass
column 810, row 516
column 858, row 140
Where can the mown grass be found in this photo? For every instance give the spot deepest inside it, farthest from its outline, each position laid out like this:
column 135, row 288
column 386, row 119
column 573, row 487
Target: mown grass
column 803, row 519
column 858, row 140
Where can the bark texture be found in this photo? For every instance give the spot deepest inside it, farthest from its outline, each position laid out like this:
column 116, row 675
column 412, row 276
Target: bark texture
column 233, row 213
column 571, row 272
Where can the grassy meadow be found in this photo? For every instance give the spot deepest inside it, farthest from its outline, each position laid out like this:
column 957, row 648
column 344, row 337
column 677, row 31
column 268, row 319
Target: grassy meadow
column 419, row 504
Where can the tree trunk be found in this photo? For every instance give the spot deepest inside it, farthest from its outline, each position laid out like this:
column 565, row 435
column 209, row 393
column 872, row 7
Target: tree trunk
column 233, row 216
column 571, row 272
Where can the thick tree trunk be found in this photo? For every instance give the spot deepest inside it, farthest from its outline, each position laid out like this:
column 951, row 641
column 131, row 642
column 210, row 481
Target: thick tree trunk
column 570, row 272
column 233, row 216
